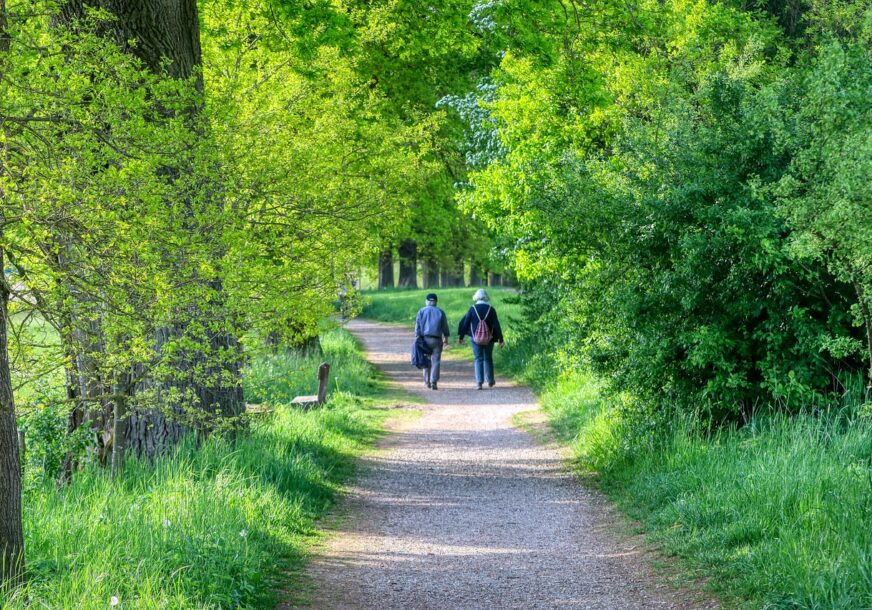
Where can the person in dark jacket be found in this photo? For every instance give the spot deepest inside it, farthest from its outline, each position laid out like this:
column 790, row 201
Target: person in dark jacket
column 431, row 323
column 482, row 312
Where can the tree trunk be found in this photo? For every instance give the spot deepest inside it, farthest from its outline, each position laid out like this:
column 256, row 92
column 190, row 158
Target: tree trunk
column 430, row 273
column 386, row 269
column 474, row 277
column 152, row 30
column 494, row 279
column 92, row 409
column 119, row 428
column 11, row 532
column 452, row 276
column 165, row 35
column 408, row 252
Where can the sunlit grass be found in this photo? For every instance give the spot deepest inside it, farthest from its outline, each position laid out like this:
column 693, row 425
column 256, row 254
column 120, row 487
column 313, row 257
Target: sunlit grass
column 403, row 305
column 215, row 524
column 776, row 513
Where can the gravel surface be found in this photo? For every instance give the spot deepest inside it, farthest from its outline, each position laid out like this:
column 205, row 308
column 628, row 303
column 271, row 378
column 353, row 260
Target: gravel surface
column 460, row 509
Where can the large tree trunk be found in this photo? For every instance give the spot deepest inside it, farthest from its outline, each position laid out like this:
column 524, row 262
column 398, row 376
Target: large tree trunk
column 408, row 252
column 165, row 35
column 83, row 343
column 11, row 532
column 386, row 269
column 430, row 273
column 153, row 30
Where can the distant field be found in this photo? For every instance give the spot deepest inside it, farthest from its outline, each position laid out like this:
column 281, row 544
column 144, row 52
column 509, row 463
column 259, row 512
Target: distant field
column 403, row 305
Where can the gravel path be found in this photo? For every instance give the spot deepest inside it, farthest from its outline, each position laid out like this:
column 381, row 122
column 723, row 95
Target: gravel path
column 460, row 509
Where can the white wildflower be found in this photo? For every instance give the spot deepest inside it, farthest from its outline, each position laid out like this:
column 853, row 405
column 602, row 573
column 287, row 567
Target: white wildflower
column 166, row 523
column 243, row 533
column 113, row 601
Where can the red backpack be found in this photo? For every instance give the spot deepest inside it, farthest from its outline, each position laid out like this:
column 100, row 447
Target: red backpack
column 483, row 334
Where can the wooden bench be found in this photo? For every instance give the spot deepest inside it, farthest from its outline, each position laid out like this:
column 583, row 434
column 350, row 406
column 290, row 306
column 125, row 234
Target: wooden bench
column 307, row 402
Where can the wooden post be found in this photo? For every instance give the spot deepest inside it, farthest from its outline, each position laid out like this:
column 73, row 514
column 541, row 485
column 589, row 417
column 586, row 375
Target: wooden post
column 323, row 376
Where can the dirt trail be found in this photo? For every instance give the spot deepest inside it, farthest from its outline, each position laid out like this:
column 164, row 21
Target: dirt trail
column 460, row 509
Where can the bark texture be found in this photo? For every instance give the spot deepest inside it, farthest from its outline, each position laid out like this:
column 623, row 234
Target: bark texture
column 386, row 269
column 152, row 30
column 408, row 252
column 11, row 531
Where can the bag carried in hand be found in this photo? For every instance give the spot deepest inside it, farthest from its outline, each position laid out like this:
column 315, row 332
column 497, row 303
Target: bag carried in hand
column 483, row 335
column 421, row 354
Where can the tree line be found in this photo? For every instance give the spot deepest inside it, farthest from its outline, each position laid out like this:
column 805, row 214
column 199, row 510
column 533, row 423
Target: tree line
column 183, row 183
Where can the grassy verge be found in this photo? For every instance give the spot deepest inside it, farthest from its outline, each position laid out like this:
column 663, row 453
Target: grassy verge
column 775, row 514
column 214, row 525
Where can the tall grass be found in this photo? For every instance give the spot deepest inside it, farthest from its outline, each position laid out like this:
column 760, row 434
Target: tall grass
column 213, row 525
column 277, row 378
column 777, row 513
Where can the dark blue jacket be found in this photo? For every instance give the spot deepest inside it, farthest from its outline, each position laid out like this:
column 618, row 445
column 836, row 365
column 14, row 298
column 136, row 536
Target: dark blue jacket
column 470, row 322
column 421, row 353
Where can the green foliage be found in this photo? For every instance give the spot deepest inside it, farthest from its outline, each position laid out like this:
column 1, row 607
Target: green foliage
column 154, row 537
column 677, row 186
column 153, row 223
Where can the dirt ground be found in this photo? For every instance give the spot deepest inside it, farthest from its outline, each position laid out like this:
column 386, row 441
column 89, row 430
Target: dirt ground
column 460, row 509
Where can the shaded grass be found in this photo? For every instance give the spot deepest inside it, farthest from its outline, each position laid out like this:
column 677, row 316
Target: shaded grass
column 215, row 524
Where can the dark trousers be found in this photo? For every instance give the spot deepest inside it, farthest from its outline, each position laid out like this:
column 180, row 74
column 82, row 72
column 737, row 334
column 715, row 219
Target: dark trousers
column 431, row 375
column 484, row 362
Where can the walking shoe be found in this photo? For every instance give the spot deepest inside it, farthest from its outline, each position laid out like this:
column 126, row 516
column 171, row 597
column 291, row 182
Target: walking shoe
column 478, row 386
column 433, row 386
column 427, row 383
column 491, row 384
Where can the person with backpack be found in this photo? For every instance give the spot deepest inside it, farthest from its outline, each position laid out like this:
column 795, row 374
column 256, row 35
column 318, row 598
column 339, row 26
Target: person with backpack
column 483, row 326
column 431, row 324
